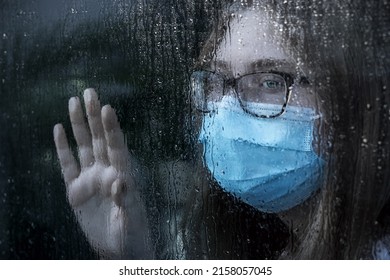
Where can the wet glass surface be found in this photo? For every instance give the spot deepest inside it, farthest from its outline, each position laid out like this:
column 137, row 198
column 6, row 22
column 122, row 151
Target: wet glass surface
column 139, row 57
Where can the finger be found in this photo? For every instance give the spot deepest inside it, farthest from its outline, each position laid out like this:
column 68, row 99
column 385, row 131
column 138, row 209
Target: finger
column 92, row 106
column 116, row 146
column 117, row 192
column 68, row 163
column 81, row 132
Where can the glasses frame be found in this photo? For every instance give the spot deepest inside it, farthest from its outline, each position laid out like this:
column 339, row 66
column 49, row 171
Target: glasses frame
column 233, row 83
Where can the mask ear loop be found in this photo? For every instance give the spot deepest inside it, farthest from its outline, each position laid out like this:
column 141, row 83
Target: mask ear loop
column 317, row 125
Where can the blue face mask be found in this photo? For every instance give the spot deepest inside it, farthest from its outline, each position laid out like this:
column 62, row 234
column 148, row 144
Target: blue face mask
column 268, row 163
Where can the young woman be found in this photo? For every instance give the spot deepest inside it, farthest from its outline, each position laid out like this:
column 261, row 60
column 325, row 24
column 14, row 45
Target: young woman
column 290, row 119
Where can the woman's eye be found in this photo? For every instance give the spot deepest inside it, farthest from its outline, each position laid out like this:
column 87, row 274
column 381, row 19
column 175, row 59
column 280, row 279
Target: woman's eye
column 270, row 84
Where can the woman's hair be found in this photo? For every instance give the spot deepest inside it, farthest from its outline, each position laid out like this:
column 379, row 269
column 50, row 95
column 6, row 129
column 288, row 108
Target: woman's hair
column 345, row 43
column 346, row 46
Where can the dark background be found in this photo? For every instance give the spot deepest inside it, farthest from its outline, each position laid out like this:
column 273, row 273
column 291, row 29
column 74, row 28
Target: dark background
column 137, row 54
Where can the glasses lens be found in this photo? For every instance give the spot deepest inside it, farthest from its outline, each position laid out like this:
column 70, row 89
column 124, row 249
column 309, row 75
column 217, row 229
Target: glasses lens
column 265, row 88
column 206, row 86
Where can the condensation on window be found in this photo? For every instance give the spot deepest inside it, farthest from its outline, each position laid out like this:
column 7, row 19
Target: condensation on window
column 249, row 129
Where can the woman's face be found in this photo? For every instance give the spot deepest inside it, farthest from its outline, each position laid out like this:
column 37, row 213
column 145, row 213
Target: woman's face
column 260, row 117
column 253, row 44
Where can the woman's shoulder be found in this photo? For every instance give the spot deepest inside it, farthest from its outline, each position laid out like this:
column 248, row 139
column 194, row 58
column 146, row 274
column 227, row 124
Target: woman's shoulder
column 381, row 248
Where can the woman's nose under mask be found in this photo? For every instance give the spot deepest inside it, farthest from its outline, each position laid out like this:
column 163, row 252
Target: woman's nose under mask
column 268, row 163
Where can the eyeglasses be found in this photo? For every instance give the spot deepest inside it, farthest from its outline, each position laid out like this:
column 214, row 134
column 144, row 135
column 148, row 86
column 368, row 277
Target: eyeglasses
column 262, row 87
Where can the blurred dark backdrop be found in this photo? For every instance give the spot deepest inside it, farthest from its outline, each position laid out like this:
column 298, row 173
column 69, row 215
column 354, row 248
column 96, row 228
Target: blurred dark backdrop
column 137, row 54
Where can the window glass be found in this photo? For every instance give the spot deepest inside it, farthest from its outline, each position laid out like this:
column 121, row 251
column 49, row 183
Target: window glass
column 235, row 129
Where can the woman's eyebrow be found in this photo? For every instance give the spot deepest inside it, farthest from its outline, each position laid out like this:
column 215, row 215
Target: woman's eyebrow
column 259, row 65
column 272, row 63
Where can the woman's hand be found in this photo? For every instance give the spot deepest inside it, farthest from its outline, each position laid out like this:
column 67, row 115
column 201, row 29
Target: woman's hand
column 101, row 188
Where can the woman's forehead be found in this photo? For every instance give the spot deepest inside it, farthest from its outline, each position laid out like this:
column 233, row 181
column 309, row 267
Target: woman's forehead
column 251, row 37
